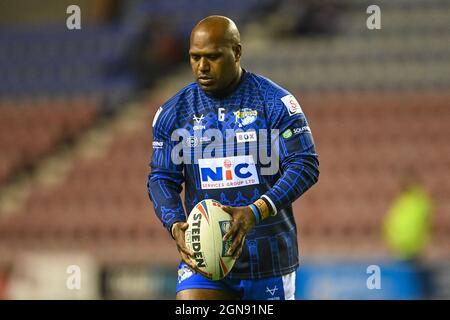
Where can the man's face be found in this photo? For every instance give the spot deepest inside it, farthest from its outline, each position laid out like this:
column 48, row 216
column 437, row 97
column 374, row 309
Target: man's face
column 214, row 64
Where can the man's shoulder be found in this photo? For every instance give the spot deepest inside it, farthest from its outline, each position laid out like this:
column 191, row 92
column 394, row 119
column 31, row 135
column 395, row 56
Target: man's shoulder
column 273, row 94
column 170, row 110
column 181, row 97
column 279, row 101
column 176, row 104
column 266, row 85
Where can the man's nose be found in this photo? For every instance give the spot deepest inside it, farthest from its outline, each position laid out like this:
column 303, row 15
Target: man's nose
column 203, row 65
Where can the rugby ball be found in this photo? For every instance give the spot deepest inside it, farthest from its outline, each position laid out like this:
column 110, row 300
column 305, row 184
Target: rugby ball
column 208, row 223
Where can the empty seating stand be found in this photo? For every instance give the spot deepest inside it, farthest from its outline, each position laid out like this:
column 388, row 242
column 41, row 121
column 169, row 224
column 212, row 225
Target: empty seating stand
column 30, row 130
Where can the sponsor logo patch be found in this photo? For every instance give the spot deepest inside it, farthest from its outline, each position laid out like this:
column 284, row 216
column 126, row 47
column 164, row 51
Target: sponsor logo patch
column 245, row 116
column 301, row 130
column 246, row 136
column 198, row 122
column 292, row 104
column 287, row 134
column 158, row 144
column 230, row 172
column 191, row 141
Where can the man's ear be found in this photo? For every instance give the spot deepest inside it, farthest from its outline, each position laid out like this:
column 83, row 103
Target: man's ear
column 237, row 49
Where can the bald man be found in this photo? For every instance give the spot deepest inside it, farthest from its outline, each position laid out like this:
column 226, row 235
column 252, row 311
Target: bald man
column 241, row 116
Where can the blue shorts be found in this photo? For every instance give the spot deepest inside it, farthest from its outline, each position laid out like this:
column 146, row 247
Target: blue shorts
column 275, row 288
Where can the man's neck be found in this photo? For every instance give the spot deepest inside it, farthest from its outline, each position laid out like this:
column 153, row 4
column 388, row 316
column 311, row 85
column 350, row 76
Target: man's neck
column 231, row 87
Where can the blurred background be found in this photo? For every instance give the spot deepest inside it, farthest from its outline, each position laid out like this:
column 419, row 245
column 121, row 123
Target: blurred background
column 76, row 108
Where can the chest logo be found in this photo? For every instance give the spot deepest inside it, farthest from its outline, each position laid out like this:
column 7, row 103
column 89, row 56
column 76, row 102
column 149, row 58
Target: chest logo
column 198, row 122
column 229, row 172
column 292, row 104
column 246, row 136
column 245, row 116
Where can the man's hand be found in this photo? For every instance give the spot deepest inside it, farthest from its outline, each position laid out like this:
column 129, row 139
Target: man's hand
column 178, row 230
column 242, row 223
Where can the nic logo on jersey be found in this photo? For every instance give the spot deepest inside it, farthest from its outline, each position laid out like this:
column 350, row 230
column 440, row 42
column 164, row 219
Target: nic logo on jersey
column 230, row 172
column 292, row 104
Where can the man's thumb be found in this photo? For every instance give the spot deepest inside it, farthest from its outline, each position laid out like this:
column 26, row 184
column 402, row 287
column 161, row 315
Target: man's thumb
column 227, row 209
column 184, row 226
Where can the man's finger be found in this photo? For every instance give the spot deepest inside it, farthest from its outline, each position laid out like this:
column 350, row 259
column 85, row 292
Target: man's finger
column 230, row 231
column 191, row 263
column 236, row 244
column 237, row 255
column 181, row 245
column 239, row 252
column 227, row 209
column 187, row 251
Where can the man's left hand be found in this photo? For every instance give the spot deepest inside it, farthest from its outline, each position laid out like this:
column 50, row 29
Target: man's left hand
column 243, row 221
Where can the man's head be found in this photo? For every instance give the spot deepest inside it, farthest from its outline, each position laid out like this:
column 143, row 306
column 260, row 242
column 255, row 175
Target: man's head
column 215, row 53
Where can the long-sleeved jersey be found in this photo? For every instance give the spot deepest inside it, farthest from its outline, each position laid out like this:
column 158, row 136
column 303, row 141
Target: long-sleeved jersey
column 253, row 143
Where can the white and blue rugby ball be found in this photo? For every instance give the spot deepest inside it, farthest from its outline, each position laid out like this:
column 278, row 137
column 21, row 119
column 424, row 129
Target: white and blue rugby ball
column 208, row 223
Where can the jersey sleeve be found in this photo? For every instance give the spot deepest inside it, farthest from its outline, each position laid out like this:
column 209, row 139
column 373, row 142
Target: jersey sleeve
column 164, row 183
column 299, row 163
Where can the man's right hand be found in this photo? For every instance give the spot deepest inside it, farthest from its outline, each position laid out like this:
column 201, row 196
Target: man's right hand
column 187, row 255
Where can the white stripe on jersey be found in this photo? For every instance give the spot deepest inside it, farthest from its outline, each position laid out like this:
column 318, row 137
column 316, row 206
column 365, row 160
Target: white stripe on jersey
column 156, row 116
